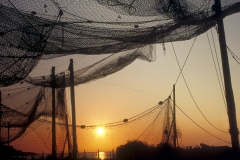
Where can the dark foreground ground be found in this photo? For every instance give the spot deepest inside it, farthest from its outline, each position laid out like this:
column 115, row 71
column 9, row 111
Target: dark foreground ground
column 137, row 150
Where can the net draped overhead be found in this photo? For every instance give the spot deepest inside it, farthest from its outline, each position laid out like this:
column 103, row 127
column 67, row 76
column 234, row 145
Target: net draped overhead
column 101, row 36
column 32, row 31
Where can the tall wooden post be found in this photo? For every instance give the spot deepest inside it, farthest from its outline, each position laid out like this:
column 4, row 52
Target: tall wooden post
column 53, row 115
column 73, row 110
column 8, row 134
column 227, row 78
column 67, row 136
column 67, row 129
column 174, row 119
column 0, row 116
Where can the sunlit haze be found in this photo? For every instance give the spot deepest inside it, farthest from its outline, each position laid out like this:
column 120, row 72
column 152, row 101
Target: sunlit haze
column 142, row 85
column 100, row 131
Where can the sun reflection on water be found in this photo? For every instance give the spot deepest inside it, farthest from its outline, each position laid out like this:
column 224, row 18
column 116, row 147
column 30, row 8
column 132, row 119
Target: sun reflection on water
column 102, row 155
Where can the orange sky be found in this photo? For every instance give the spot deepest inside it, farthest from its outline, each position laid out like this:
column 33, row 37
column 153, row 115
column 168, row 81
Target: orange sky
column 142, row 85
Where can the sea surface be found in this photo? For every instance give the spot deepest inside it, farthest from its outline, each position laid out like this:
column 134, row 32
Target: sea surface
column 96, row 155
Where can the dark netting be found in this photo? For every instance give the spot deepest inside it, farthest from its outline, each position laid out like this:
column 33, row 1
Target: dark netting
column 22, row 104
column 101, row 36
column 32, row 30
column 87, row 68
column 154, row 126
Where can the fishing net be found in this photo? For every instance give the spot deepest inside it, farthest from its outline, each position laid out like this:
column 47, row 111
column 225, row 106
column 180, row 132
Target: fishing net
column 32, row 31
column 101, row 36
column 27, row 104
column 153, row 127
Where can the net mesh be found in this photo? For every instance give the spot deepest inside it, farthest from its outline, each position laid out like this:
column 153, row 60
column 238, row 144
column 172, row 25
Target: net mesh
column 28, row 104
column 153, row 127
column 33, row 31
column 102, row 36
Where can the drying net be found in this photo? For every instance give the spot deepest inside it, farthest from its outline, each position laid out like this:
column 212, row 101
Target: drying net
column 153, row 127
column 33, row 31
column 27, row 104
column 101, row 36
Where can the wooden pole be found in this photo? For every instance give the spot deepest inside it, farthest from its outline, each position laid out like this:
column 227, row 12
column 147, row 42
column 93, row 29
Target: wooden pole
column 8, row 134
column 53, row 115
column 73, row 110
column 112, row 153
column 0, row 117
column 98, row 154
column 68, row 139
column 227, row 78
column 174, row 119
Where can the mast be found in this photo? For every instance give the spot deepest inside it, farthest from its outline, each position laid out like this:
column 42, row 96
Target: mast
column 73, row 110
column 53, row 115
column 174, row 119
column 227, row 78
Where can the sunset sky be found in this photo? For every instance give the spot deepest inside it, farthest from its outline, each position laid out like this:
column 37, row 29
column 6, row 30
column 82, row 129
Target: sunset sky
column 126, row 93
column 142, row 85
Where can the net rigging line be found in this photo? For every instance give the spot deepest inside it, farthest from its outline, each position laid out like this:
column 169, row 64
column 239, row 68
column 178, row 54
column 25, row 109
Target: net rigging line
column 181, row 69
column 234, row 56
column 191, row 92
column 57, row 31
column 215, row 67
column 33, row 23
column 200, row 126
column 55, row 28
column 219, row 69
column 127, row 87
column 150, row 125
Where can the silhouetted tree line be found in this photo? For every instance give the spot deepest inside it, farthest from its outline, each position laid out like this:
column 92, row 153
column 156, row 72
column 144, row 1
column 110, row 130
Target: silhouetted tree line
column 137, row 150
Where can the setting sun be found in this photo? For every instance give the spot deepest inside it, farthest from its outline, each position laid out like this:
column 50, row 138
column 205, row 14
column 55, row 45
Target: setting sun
column 100, row 131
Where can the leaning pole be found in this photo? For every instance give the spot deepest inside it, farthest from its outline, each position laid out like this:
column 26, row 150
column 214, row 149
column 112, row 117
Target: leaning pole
column 0, row 117
column 227, row 77
column 73, row 110
column 174, row 119
column 53, row 115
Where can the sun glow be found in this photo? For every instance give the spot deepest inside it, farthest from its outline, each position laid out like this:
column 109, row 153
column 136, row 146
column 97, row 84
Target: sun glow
column 100, row 131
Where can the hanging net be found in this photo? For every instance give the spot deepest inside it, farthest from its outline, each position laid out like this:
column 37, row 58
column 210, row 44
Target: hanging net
column 27, row 104
column 101, row 36
column 34, row 32
column 153, row 127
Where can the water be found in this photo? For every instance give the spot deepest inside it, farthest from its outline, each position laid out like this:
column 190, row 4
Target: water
column 93, row 155
column 102, row 155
